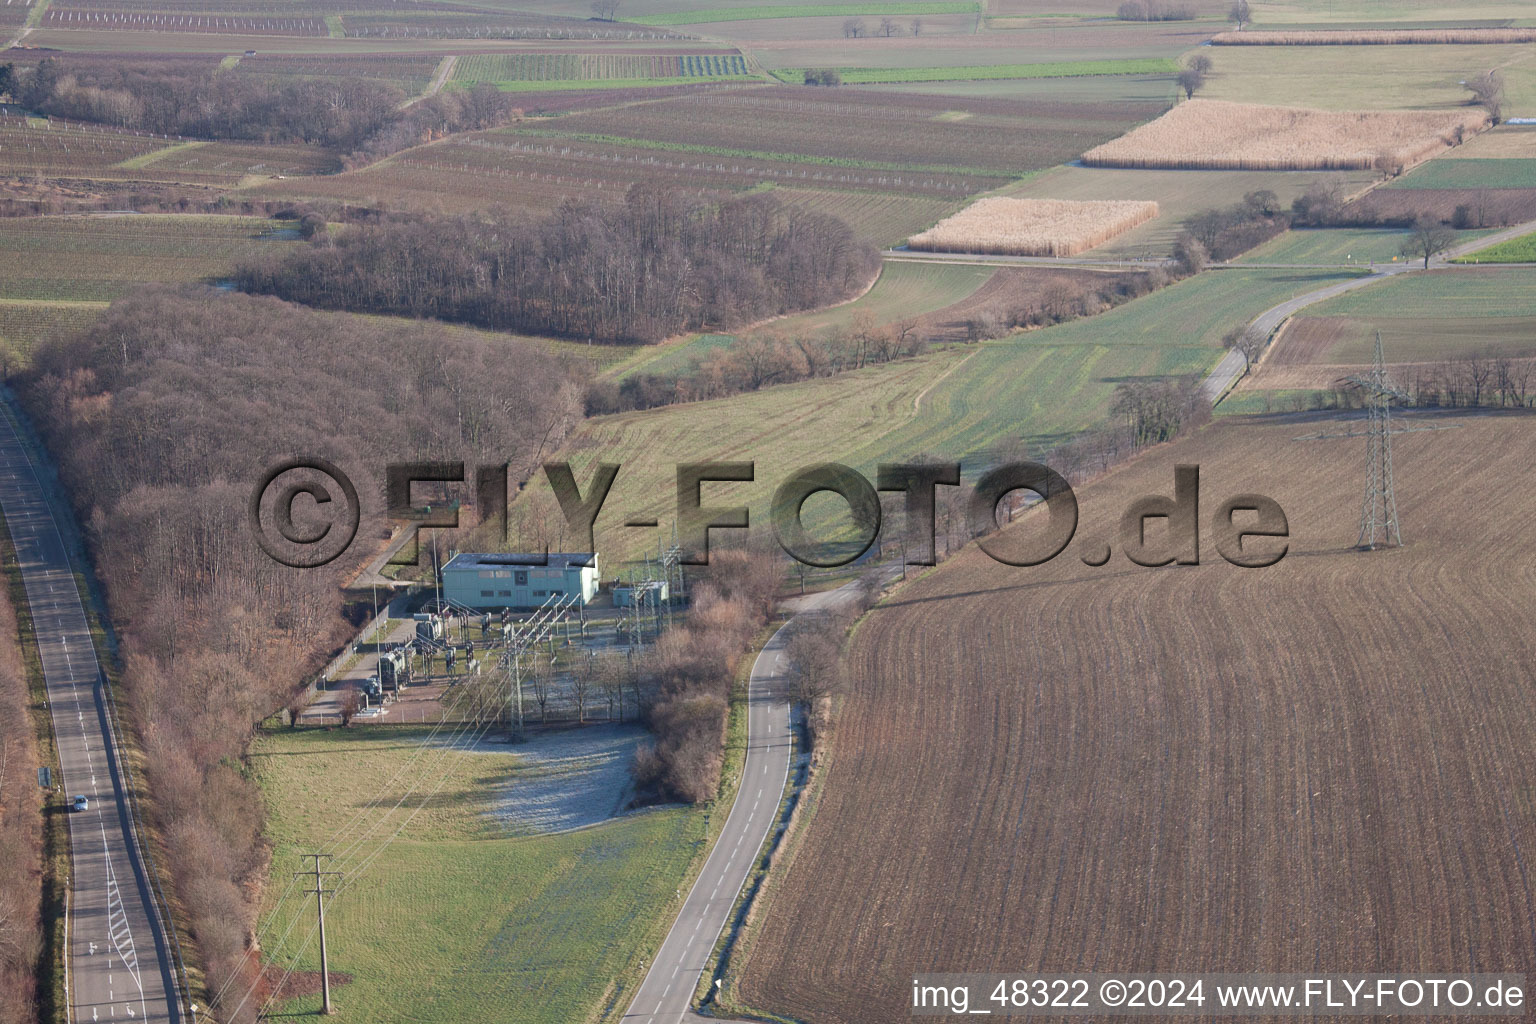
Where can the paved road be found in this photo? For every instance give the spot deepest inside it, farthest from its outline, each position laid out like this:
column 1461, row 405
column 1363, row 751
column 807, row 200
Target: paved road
column 1232, row 365
column 668, row 988
column 119, row 967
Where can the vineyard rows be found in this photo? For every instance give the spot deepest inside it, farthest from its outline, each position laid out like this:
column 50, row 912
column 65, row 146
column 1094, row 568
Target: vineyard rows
column 548, row 67
column 66, row 17
column 887, row 130
column 588, row 162
column 451, row 26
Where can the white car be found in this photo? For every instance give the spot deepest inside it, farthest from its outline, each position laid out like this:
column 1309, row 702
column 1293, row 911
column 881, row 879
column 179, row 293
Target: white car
column 80, row 804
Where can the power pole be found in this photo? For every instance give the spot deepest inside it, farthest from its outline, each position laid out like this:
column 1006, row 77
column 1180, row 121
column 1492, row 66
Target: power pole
column 1379, row 525
column 321, row 892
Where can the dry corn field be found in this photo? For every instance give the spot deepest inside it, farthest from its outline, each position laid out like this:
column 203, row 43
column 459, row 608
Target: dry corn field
column 1328, row 764
column 1033, row 227
column 1217, row 135
column 1376, row 37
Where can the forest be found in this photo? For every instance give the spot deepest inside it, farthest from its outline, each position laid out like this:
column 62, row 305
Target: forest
column 660, row 263
column 163, row 415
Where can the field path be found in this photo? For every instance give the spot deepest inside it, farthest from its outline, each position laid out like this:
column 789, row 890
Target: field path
column 439, row 79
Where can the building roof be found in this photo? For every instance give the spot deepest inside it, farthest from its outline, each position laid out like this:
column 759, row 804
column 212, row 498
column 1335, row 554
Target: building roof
column 565, row 560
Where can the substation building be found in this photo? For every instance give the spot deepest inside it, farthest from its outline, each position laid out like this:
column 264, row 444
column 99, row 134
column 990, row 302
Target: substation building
column 492, row 582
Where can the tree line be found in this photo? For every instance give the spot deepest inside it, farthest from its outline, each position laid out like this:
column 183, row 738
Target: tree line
column 354, row 116
column 660, row 263
column 163, row 416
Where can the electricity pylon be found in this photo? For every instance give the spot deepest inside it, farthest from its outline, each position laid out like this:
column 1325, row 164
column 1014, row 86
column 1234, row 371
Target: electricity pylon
column 1379, row 523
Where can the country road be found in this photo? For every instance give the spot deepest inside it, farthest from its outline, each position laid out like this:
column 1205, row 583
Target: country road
column 119, row 967
column 664, row 996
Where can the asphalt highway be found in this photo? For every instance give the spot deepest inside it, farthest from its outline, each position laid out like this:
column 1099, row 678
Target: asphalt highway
column 119, row 968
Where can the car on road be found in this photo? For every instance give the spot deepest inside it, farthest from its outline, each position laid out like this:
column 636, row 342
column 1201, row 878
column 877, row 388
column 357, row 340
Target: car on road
column 80, row 804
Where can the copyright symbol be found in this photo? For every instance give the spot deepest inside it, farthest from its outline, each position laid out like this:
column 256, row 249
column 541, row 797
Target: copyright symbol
column 317, row 539
column 1112, row 992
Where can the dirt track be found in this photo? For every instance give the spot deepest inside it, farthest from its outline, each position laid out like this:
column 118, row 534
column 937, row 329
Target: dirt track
column 1325, row 765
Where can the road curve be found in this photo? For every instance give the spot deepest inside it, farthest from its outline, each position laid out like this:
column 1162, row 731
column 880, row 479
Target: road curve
column 665, row 994
column 119, row 968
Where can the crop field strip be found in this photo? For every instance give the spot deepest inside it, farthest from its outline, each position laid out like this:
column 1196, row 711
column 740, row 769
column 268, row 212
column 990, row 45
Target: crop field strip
column 1156, row 775
column 1376, row 37
column 1212, row 134
column 983, row 72
column 894, row 8
column 1033, row 227
column 508, row 68
column 1368, row 77
column 1515, row 250
column 1450, row 173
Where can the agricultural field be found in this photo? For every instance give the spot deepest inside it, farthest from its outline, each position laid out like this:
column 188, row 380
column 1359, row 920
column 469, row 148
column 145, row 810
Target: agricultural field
column 1335, row 246
column 24, row 323
column 1487, row 207
column 564, row 918
column 934, row 150
column 1214, row 135
column 756, row 12
column 525, row 70
column 1506, row 142
column 995, row 138
column 1178, row 194
column 1368, row 77
column 1423, row 318
column 882, row 218
column 98, row 258
column 941, row 44
column 40, row 146
column 408, row 72
column 1158, row 770
column 983, row 72
column 1449, row 173
column 1034, row 388
column 1516, row 250
column 1033, row 227
column 230, row 163
column 1376, row 37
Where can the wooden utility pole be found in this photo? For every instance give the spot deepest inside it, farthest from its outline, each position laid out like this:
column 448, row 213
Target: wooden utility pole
column 321, row 892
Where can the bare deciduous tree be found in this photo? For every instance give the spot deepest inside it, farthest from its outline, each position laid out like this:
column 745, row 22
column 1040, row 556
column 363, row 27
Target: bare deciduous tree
column 1428, row 239
column 854, row 28
column 1240, row 14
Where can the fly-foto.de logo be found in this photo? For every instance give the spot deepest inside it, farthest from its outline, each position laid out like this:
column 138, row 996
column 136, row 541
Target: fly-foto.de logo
column 305, row 512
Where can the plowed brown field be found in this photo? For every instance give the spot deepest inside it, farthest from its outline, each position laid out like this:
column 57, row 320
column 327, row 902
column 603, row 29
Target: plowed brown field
column 1325, row 765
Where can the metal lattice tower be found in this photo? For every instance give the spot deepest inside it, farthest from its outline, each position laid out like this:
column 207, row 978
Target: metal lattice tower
column 1379, row 523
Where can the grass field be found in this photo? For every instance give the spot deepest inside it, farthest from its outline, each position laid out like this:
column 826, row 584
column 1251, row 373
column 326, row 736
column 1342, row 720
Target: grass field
column 1516, row 250
column 1337, row 245
column 1069, row 69
column 1367, row 77
column 1446, row 172
column 100, row 258
column 1438, row 294
column 1423, row 319
column 1178, row 765
column 884, row 219
column 454, row 915
column 1036, row 388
